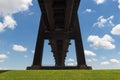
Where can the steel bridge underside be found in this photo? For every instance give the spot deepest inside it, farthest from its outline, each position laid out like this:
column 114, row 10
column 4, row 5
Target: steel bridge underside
column 59, row 24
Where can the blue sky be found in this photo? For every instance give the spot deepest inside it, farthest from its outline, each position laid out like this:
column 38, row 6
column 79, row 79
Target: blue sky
column 99, row 23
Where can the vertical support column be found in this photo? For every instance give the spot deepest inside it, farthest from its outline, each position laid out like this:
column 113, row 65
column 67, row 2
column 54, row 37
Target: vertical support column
column 59, row 58
column 79, row 53
column 39, row 45
column 79, row 46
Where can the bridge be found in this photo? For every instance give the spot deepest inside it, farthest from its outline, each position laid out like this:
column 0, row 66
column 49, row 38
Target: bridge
column 59, row 24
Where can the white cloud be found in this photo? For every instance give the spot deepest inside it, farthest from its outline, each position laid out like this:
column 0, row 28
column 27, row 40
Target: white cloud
column 111, row 61
column 89, row 60
column 3, row 57
column 8, row 9
column 114, row 61
column 105, row 42
column 13, row 6
column 33, row 51
column 70, row 60
column 118, row 3
column 8, row 22
column 116, row 30
column 105, row 63
column 89, row 53
column 99, row 1
column 88, row 11
column 19, row 48
column 92, row 60
column 102, row 22
column 31, row 13
column 70, row 64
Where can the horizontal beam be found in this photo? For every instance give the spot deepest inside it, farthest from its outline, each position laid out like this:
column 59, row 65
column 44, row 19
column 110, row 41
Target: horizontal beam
column 59, row 36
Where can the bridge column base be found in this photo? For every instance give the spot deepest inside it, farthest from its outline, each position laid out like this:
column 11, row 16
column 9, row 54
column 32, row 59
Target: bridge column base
column 84, row 67
column 34, row 67
column 37, row 67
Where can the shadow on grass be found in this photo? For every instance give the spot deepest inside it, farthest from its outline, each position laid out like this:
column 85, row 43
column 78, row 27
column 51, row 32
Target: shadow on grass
column 3, row 71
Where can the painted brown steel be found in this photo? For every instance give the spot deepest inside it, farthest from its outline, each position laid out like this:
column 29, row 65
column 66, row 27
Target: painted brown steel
column 59, row 24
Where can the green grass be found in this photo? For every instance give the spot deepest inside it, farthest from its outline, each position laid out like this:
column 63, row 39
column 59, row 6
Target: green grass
column 60, row 75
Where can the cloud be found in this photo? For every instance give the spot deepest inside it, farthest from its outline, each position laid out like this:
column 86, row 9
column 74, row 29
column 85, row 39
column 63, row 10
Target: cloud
column 13, row 6
column 111, row 61
column 99, row 1
column 19, row 48
column 3, row 57
column 33, row 51
column 88, row 11
column 116, row 30
column 8, row 22
column 118, row 3
column 71, row 62
column 89, row 53
column 92, row 60
column 102, row 22
column 105, row 63
column 8, row 9
column 31, row 13
column 105, row 42
column 114, row 61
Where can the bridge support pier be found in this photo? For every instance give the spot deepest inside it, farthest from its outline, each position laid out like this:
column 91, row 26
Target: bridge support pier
column 59, row 24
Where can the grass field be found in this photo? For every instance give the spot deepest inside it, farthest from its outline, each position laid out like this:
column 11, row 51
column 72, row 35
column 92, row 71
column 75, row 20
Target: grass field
column 60, row 75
